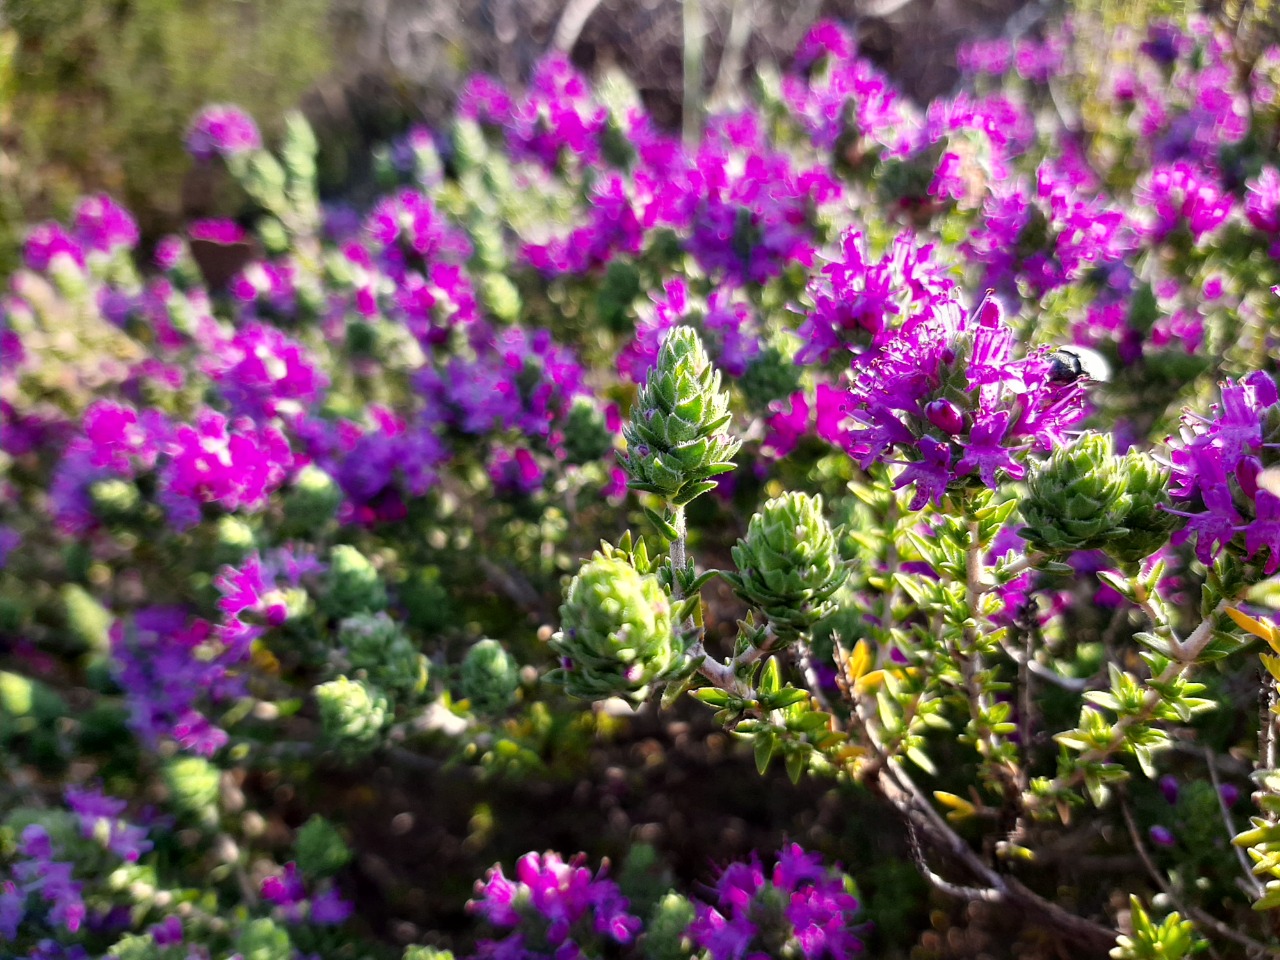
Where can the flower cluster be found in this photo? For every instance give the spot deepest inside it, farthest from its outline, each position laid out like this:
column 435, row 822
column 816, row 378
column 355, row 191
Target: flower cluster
column 222, row 130
column 289, row 893
column 949, row 393
column 858, row 303
column 47, row 889
column 552, row 909
column 802, row 905
column 1219, row 480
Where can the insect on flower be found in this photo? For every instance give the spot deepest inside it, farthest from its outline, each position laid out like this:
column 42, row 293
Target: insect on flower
column 1068, row 364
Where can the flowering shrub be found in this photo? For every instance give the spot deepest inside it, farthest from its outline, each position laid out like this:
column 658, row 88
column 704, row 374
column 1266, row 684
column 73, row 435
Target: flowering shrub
column 933, row 449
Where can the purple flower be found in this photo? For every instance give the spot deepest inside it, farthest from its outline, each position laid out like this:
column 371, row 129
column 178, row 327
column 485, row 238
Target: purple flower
column 168, row 932
column 826, row 38
column 554, row 902
column 12, row 910
column 169, row 664
column 515, row 472
column 104, row 226
column 222, row 130
column 1262, row 205
column 329, row 908
column 234, row 463
column 1162, row 836
column 858, row 302
column 1180, row 194
column 49, row 243
column 263, row 373
column 9, row 541
column 818, row 916
column 222, row 232
column 1215, row 463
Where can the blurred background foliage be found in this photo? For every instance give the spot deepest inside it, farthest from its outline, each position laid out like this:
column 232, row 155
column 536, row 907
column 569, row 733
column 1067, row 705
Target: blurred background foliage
column 96, row 94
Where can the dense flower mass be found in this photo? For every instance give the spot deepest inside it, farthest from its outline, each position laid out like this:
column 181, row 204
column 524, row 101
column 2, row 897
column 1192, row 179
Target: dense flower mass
column 1219, row 480
column 308, row 484
column 552, row 909
column 801, row 903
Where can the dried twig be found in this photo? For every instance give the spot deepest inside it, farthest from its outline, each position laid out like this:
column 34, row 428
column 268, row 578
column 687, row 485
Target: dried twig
column 574, row 17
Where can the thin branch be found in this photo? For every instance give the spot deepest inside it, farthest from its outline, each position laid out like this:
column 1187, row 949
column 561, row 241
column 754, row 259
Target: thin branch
column 1254, row 886
column 986, row 894
column 574, row 17
column 741, row 21
column 1186, row 909
column 694, row 41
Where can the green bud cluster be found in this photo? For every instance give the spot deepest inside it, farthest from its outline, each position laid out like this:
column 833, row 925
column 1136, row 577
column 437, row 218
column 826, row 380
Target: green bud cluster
column 617, row 636
column 380, row 651
column 772, row 373
column 490, row 677
column 586, row 435
column 114, row 500
column 789, row 565
column 351, row 585
column 425, row 600
column 500, row 297
column 312, row 501
column 235, row 540
column 675, row 438
column 666, row 935
column 319, row 848
column 352, row 714
column 263, row 939
column 1084, row 497
column 193, row 785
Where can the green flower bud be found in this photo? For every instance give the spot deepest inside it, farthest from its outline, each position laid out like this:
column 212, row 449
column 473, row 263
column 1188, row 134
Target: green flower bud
column 788, row 564
column 490, row 677
column 772, row 374
column 88, row 621
column 351, row 584
column 352, row 714
column 470, row 152
column 193, row 786
column 114, row 500
column 1084, row 497
column 1075, row 499
column 377, row 647
column 134, row 946
column 675, row 438
column 312, row 501
column 263, row 939
column 319, row 848
column 665, row 937
column 616, row 293
column 426, row 953
column 587, row 436
column 426, row 600
column 1148, row 525
column 500, row 297
column 235, row 541
column 616, row 634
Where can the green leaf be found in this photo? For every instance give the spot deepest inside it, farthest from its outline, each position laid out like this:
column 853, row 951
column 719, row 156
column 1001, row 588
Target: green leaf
column 770, row 677
column 797, row 760
column 664, row 526
column 763, row 751
column 711, row 696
